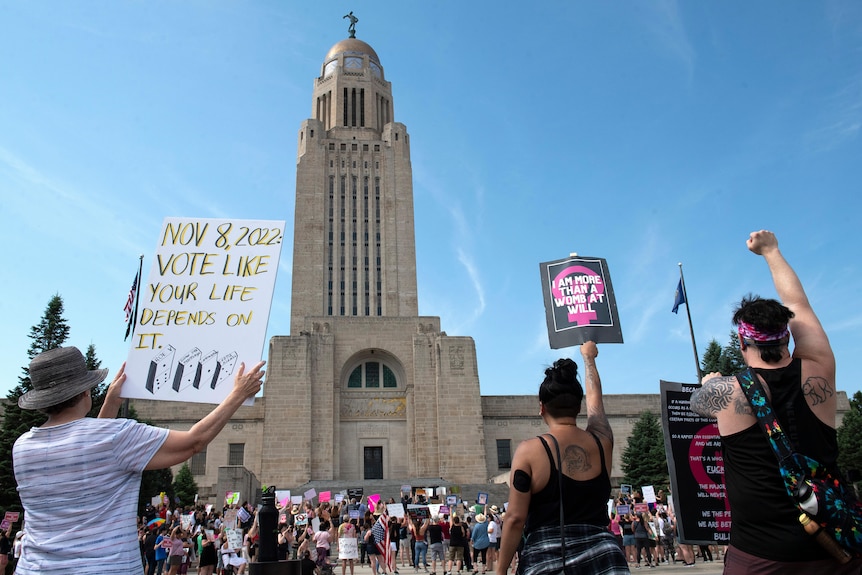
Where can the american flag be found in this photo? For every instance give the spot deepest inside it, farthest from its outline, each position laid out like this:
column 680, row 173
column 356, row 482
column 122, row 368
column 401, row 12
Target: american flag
column 131, row 307
column 130, row 301
column 380, row 530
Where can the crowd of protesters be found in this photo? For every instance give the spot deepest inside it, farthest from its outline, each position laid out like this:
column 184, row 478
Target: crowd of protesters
column 174, row 540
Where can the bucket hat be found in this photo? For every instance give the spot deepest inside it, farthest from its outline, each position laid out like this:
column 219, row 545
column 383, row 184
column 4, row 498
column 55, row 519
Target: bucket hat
column 57, row 375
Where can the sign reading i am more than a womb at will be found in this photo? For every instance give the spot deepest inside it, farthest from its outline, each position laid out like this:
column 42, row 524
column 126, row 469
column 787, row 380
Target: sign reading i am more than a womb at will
column 579, row 302
column 204, row 308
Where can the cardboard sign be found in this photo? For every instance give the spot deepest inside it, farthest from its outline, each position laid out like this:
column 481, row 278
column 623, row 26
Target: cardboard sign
column 579, row 302
column 203, row 309
column 395, row 510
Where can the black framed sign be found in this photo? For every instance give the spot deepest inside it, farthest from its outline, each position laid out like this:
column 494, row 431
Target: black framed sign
column 579, row 302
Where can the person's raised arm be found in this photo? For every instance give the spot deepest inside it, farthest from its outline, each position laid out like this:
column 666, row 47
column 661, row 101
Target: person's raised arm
column 809, row 338
column 181, row 445
column 597, row 419
column 113, row 401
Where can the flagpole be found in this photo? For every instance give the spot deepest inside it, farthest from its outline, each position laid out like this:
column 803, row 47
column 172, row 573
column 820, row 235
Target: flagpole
column 690, row 326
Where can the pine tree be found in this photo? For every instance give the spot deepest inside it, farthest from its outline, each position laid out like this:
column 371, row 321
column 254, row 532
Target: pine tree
column 644, row 457
column 850, row 439
column 711, row 361
column 51, row 331
column 185, row 487
column 153, row 482
column 731, row 357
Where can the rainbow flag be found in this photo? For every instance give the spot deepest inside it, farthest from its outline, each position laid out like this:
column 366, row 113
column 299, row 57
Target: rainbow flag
column 155, row 523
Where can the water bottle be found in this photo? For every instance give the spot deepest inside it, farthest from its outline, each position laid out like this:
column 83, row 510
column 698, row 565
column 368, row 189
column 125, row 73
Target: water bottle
column 824, row 539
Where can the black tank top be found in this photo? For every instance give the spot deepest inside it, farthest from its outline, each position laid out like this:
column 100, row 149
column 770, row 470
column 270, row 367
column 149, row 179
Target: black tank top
column 584, row 502
column 765, row 521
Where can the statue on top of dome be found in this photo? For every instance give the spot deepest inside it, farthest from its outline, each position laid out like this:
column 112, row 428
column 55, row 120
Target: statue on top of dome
column 353, row 20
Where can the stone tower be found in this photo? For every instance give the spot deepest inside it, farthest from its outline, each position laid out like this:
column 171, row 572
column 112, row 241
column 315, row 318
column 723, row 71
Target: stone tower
column 363, row 388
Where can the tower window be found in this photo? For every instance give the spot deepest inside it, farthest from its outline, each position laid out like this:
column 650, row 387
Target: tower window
column 504, row 453
column 367, row 375
column 198, row 464
column 235, row 453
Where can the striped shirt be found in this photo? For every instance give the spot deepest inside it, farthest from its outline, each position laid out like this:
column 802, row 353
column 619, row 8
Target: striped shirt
column 79, row 485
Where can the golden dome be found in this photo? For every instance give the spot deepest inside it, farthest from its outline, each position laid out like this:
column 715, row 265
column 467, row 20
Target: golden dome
column 351, row 46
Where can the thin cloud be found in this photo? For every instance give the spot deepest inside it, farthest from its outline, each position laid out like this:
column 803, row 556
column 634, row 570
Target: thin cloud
column 669, row 29
column 842, row 120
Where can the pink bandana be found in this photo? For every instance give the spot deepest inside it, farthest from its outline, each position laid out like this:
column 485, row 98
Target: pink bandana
column 748, row 331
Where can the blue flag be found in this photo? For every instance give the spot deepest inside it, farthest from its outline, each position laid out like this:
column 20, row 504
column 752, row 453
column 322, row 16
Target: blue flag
column 679, row 298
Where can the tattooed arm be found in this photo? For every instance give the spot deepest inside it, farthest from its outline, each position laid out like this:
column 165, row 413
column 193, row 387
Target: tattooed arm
column 597, row 419
column 714, row 395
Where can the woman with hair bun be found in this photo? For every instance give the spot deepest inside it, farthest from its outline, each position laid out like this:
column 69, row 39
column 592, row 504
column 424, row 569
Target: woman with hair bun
column 534, row 492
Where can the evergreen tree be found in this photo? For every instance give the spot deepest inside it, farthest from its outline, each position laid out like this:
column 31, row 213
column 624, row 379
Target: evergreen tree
column 185, row 487
column 850, row 439
column 711, row 361
column 644, row 457
column 731, row 357
column 51, row 331
column 154, row 482
column 98, row 393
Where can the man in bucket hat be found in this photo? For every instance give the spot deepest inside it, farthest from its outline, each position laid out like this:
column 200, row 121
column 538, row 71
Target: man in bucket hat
column 79, row 477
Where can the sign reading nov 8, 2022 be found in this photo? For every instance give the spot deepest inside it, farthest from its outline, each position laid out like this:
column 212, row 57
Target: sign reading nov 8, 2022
column 204, row 308
column 579, row 302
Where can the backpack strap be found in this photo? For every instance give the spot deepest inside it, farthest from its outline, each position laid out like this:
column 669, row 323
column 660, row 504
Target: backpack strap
column 560, row 487
column 788, row 461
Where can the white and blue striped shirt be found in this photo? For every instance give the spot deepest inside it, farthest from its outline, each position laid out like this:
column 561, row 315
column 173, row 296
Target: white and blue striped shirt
column 79, row 485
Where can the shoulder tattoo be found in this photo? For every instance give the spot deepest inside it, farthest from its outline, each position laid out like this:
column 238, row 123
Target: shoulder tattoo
column 714, row 396
column 817, row 390
column 576, row 458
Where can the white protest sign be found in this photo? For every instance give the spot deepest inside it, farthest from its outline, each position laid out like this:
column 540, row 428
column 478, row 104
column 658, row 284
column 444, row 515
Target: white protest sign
column 234, row 538
column 395, row 510
column 203, row 309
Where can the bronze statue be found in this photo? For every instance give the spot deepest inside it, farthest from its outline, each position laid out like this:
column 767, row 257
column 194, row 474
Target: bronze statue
column 353, row 20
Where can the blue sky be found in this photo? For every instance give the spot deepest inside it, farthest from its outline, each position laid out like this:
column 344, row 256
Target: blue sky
column 646, row 133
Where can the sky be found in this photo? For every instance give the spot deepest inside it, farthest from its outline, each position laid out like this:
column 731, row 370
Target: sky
column 647, row 133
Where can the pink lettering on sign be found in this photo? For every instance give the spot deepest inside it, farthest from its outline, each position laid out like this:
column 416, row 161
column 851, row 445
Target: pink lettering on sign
column 578, row 289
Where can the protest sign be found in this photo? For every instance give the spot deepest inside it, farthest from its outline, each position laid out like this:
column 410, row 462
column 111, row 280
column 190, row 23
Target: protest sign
column 5, row 525
column 282, row 496
column 230, row 518
column 234, row 538
column 395, row 510
column 482, row 498
column 579, row 302
column 648, row 492
column 11, row 516
column 296, row 499
column 417, row 512
column 203, row 309
column 696, row 467
column 348, row 548
column 355, row 493
column 232, row 498
column 310, row 494
column 324, row 496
